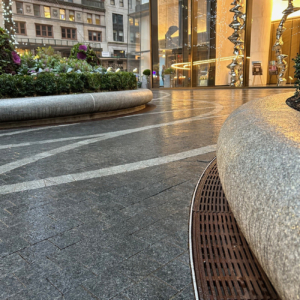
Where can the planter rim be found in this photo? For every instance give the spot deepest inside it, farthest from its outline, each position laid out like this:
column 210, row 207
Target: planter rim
column 32, row 108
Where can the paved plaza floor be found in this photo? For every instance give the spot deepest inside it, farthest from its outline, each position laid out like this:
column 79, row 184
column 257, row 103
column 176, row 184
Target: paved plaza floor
column 100, row 209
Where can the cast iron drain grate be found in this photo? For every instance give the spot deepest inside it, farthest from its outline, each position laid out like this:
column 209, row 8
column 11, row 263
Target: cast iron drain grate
column 224, row 265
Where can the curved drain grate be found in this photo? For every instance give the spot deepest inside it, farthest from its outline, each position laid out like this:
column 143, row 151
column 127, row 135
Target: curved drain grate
column 224, row 265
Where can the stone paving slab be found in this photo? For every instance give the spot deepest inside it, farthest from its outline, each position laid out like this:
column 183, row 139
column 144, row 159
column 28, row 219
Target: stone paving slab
column 119, row 236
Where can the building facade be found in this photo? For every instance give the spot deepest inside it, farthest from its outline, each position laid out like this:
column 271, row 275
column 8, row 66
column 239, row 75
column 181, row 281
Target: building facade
column 62, row 24
column 198, row 43
column 185, row 43
column 116, row 38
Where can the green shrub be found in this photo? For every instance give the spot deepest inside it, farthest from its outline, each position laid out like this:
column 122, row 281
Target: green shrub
column 128, row 81
column 147, row 72
column 7, row 85
column 47, row 83
column 93, row 82
column 76, row 81
column 169, row 71
column 116, row 84
column 25, row 85
column 16, row 86
column 105, row 82
column 62, row 84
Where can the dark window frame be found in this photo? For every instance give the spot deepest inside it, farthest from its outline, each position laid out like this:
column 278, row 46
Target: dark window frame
column 66, row 38
column 118, row 27
column 93, row 31
column 117, row 53
column 121, row 2
column 47, row 30
column 22, row 3
column 18, row 25
column 35, row 6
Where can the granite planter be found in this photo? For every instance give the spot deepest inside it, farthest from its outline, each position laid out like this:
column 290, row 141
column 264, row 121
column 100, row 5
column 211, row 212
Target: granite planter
column 19, row 109
column 259, row 164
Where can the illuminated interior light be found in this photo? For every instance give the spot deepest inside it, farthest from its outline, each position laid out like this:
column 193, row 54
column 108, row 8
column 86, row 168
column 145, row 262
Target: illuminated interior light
column 187, row 65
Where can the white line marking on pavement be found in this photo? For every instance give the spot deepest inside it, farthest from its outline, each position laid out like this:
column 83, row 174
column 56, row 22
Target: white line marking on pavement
column 164, row 112
column 33, row 129
column 166, row 95
column 49, row 141
column 88, row 136
column 22, row 162
column 51, row 181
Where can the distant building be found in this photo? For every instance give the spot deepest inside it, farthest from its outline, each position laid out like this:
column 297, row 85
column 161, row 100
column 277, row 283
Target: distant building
column 59, row 24
column 139, row 38
column 114, row 55
column 62, row 24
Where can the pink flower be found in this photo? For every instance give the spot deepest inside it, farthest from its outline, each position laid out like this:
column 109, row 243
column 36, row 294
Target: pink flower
column 81, row 55
column 16, row 58
column 83, row 47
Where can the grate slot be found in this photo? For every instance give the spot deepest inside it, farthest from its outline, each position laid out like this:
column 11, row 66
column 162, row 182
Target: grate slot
column 225, row 267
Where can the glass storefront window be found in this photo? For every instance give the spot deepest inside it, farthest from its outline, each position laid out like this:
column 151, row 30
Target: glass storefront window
column 190, row 45
column 171, row 45
column 204, row 43
column 190, row 42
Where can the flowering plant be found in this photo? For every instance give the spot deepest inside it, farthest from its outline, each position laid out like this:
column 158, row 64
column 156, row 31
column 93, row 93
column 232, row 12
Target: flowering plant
column 81, row 55
column 83, row 52
column 16, row 58
column 46, row 61
column 9, row 59
column 83, row 47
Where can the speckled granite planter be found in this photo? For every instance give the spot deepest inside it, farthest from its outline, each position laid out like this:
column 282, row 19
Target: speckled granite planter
column 259, row 163
column 67, row 105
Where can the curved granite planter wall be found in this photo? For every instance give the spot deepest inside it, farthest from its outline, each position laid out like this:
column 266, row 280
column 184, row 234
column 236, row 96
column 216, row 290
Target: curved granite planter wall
column 68, row 105
column 259, row 164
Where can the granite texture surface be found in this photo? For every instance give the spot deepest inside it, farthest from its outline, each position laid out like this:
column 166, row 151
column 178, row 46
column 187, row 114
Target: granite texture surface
column 259, row 164
column 68, row 105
